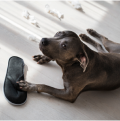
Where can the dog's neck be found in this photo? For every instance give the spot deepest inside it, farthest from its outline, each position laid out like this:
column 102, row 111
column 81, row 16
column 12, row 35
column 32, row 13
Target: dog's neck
column 65, row 64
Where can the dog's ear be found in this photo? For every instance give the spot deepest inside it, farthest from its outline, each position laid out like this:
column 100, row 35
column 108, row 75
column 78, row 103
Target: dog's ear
column 83, row 59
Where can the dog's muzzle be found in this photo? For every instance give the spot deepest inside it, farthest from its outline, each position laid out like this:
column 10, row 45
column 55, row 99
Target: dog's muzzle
column 44, row 42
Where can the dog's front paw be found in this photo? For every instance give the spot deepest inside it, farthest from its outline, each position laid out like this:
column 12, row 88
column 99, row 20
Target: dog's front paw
column 26, row 86
column 41, row 59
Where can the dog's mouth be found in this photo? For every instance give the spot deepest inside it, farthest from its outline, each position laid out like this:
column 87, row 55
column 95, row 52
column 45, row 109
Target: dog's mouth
column 45, row 52
column 51, row 58
column 82, row 58
column 40, row 47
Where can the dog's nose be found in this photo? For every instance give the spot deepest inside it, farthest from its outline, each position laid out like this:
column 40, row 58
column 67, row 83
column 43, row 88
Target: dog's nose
column 44, row 41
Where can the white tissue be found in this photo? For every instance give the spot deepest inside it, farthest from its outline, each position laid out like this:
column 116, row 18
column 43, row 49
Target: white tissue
column 31, row 38
column 54, row 12
column 76, row 4
column 31, row 18
column 25, row 14
column 33, row 21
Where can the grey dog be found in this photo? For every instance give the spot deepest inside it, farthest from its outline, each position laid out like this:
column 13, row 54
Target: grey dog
column 83, row 69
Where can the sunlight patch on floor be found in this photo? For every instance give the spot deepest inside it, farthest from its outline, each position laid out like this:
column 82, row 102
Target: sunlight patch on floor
column 19, row 26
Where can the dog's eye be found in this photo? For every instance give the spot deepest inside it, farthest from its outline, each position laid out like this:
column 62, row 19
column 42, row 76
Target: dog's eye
column 64, row 46
column 61, row 33
column 58, row 32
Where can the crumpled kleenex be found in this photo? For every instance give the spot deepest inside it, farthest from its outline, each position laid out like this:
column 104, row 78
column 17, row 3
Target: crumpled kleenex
column 54, row 12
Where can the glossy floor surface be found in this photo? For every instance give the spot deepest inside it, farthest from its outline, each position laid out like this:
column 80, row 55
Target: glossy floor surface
column 103, row 16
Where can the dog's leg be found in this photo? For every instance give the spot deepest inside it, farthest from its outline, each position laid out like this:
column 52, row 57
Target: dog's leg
column 92, row 42
column 65, row 94
column 109, row 45
column 41, row 59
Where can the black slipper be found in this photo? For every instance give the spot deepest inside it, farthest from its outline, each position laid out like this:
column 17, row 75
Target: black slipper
column 15, row 73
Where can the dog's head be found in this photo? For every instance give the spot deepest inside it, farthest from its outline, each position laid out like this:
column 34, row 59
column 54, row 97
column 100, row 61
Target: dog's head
column 65, row 46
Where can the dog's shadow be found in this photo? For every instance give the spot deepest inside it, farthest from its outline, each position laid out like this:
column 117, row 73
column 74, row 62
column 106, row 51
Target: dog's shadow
column 99, row 102
column 93, row 104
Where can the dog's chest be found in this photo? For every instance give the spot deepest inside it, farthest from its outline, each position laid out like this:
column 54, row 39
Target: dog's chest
column 72, row 73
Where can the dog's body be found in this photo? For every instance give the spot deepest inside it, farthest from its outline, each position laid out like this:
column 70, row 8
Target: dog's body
column 83, row 69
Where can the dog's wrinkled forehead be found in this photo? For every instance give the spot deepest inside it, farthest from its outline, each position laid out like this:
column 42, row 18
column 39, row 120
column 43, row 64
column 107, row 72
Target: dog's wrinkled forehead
column 62, row 34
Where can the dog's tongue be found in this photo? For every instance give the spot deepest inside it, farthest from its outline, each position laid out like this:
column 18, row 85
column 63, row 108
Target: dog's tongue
column 83, row 59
